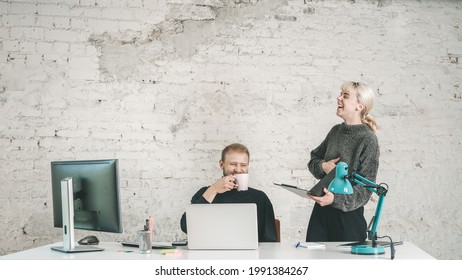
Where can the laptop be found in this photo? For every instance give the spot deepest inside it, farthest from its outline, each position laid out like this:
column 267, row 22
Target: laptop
column 222, row 226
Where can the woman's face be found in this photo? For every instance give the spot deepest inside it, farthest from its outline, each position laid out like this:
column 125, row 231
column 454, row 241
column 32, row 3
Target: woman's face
column 348, row 107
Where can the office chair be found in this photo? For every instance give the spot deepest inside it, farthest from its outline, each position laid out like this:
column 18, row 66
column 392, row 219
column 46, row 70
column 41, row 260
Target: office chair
column 278, row 229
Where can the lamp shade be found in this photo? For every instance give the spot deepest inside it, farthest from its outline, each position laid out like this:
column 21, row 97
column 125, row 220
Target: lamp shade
column 340, row 184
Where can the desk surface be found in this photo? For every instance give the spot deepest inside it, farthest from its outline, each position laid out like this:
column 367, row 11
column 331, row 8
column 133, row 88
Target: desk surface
column 267, row 251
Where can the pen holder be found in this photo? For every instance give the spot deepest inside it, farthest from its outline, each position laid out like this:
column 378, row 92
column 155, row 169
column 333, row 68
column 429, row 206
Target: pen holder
column 145, row 241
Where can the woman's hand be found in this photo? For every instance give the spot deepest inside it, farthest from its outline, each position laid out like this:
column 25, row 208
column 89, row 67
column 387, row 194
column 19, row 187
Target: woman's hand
column 327, row 166
column 325, row 200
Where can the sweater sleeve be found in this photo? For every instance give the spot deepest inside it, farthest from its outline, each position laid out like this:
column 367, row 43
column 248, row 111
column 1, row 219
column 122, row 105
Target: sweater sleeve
column 196, row 199
column 316, row 160
column 368, row 167
column 318, row 156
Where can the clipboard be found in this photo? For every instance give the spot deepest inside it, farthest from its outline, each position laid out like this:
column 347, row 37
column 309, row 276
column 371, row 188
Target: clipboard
column 316, row 190
column 296, row 190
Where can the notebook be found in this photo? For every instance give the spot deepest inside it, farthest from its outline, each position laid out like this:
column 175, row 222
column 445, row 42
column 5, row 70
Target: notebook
column 222, row 226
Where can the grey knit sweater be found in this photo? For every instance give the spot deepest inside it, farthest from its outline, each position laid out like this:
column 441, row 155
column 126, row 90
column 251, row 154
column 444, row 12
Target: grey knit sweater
column 357, row 145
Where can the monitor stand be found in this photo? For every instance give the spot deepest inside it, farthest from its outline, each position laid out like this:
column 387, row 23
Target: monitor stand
column 67, row 201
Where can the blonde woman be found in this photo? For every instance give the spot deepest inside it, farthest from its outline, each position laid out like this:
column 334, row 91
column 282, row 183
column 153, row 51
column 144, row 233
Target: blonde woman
column 338, row 217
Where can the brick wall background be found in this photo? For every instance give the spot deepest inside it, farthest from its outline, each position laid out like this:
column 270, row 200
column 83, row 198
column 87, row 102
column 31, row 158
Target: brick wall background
column 164, row 85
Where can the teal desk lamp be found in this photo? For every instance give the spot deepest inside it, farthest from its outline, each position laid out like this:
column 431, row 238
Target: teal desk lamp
column 341, row 185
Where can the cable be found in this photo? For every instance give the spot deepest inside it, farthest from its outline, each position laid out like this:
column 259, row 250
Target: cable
column 392, row 246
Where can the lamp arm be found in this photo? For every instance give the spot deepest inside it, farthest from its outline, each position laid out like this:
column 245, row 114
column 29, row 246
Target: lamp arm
column 362, row 181
column 381, row 191
column 375, row 224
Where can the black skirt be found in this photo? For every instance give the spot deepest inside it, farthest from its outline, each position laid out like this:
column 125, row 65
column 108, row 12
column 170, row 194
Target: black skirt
column 331, row 224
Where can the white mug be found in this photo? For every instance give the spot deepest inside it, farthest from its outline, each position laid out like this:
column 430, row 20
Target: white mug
column 242, row 181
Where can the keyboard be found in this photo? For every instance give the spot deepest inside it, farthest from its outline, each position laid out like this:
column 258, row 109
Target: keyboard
column 154, row 246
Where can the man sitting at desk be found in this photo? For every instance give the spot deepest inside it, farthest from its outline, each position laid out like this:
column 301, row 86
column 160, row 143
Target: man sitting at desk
column 235, row 159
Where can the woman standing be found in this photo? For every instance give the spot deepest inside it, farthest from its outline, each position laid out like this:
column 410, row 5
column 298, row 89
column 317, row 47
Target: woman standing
column 340, row 217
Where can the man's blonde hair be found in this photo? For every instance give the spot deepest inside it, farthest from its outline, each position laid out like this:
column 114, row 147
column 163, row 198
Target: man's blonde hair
column 234, row 147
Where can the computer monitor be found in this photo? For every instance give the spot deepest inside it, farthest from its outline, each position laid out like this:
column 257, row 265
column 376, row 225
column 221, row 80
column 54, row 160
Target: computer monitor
column 85, row 196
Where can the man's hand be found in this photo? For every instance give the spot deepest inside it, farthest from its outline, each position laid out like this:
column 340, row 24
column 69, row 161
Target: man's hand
column 225, row 184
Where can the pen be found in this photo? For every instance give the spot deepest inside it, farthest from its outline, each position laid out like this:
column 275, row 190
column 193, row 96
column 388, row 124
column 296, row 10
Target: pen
column 300, row 245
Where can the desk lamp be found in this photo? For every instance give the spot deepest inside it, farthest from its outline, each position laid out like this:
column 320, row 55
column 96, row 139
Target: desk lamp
column 341, row 185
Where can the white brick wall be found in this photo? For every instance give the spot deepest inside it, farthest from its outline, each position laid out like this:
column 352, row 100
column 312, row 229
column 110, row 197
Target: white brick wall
column 164, row 85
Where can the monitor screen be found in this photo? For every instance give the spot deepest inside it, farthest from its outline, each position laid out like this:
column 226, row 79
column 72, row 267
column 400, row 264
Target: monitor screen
column 95, row 191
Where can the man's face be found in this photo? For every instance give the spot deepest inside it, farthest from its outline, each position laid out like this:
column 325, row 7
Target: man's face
column 235, row 162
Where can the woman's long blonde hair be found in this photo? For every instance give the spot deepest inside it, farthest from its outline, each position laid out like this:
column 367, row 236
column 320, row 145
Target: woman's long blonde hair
column 366, row 97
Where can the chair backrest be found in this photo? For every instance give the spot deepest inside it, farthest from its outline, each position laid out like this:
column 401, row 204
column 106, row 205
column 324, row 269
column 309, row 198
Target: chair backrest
column 278, row 229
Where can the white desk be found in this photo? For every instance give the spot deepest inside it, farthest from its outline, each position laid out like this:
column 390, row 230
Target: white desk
column 266, row 251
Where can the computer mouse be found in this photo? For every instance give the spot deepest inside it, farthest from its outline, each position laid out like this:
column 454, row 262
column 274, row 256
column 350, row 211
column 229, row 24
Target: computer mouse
column 89, row 240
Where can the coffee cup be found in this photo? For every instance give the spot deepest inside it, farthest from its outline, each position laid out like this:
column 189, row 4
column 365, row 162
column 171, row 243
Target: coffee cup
column 242, row 181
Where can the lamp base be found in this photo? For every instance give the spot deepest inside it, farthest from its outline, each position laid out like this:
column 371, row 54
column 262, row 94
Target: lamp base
column 367, row 250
